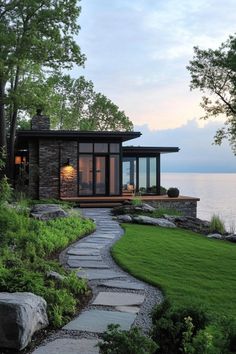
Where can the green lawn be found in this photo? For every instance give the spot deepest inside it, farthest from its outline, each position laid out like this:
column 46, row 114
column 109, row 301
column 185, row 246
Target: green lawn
column 188, row 267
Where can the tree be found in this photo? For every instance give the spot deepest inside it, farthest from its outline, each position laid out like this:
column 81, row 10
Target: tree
column 213, row 72
column 73, row 104
column 33, row 32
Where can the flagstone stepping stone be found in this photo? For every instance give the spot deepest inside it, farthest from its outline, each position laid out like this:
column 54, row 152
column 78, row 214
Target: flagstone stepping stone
column 97, row 321
column 87, row 264
column 122, row 284
column 118, row 299
column 85, row 258
column 83, row 252
column 93, row 274
column 130, row 309
column 105, row 236
column 98, row 240
column 69, row 346
column 90, row 245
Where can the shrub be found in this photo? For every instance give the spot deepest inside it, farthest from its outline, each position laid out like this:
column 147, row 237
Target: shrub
column 217, row 224
column 170, row 326
column 116, row 341
column 22, row 240
column 173, row 192
column 137, row 200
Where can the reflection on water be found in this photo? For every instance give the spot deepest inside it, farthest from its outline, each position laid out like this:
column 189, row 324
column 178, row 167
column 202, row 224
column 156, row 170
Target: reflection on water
column 217, row 192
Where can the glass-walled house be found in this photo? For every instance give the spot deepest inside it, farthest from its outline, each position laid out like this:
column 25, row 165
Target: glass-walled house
column 80, row 164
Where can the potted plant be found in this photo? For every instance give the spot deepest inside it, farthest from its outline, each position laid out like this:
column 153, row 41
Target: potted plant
column 173, row 192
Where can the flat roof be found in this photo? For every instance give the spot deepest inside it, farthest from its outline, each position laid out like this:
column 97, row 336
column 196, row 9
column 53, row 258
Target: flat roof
column 81, row 134
column 148, row 150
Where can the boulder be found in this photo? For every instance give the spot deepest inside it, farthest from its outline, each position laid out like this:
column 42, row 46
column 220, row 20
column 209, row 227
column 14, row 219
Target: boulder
column 133, row 209
column 231, row 238
column 124, row 218
column 21, row 315
column 147, row 220
column 216, row 236
column 55, row 276
column 47, row 211
column 190, row 223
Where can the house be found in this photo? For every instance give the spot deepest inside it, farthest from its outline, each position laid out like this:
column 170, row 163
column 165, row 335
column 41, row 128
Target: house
column 87, row 166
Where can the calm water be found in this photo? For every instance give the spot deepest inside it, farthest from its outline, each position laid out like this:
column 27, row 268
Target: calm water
column 217, row 192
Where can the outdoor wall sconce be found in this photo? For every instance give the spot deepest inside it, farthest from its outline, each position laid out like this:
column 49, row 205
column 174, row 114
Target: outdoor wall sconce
column 18, row 160
column 68, row 162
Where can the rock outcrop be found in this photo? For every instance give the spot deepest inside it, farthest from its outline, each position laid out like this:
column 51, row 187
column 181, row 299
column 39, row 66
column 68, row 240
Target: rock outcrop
column 21, row 315
column 47, row 211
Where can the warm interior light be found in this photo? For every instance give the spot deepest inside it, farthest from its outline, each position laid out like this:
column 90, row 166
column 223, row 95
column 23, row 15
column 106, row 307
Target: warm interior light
column 18, row 160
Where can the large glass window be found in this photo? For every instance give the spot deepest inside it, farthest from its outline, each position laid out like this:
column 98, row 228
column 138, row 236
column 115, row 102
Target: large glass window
column 142, row 173
column 129, row 174
column 100, row 187
column 115, row 148
column 114, row 175
column 152, row 181
column 100, row 147
column 85, row 147
column 86, row 174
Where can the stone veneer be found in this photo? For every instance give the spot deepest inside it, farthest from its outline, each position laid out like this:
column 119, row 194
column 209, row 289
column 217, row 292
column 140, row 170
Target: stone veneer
column 40, row 122
column 186, row 207
column 33, row 170
column 68, row 175
column 49, row 176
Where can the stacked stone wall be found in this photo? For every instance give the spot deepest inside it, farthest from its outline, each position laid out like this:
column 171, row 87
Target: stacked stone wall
column 186, row 207
column 69, row 169
column 49, row 177
column 33, row 170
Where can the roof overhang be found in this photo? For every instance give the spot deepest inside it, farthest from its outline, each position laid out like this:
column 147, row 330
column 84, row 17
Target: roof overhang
column 82, row 135
column 147, row 150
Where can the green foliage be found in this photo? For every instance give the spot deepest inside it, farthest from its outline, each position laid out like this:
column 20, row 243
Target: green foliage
column 26, row 245
column 5, row 188
column 173, row 329
column 137, row 200
column 116, row 341
column 213, row 72
column 74, row 104
column 217, row 225
column 185, row 265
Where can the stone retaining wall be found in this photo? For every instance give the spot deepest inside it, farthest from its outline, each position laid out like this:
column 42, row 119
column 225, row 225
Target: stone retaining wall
column 186, row 207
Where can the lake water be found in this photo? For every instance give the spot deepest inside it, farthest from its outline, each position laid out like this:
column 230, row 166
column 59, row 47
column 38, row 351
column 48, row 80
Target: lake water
column 217, row 193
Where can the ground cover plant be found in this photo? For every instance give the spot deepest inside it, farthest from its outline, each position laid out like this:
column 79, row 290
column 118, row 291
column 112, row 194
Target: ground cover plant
column 27, row 249
column 188, row 267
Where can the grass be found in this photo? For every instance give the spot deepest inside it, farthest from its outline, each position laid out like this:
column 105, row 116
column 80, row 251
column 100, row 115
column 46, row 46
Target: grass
column 188, row 267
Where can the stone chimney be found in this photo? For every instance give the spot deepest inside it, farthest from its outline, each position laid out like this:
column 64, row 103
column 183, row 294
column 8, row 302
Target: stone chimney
column 40, row 122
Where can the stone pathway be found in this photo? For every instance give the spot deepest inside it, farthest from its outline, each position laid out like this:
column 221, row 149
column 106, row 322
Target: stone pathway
column 117, row 297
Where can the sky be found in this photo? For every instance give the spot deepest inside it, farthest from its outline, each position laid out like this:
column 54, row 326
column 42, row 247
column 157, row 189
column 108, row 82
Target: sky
column 137, row 52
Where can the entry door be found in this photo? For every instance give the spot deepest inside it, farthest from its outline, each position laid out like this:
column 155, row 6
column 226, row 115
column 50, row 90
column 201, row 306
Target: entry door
column 101, row 175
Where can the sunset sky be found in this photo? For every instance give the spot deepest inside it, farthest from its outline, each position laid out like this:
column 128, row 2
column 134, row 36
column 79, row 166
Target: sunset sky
column 137, row 52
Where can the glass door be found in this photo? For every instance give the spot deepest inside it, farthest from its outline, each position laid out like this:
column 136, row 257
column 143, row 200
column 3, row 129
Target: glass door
column 101, row 175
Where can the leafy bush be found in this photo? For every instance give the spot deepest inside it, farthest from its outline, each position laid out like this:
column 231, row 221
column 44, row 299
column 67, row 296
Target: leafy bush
column 217, row 225
column 25, row 246
column 170, row 326
column 116, row 341
column 137, row 200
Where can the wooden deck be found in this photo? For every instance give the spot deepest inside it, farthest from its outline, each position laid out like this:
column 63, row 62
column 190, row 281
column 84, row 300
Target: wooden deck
column 110, row 201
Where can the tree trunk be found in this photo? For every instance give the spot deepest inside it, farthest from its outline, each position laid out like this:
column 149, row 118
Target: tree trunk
column 11, row 147
column 3, row 138
column 11, row 152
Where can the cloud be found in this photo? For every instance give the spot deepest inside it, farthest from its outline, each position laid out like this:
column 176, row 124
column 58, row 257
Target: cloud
column 138, row 52
column 197, row 154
